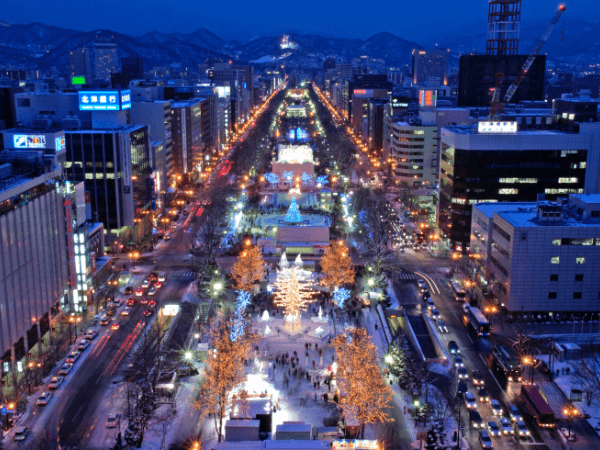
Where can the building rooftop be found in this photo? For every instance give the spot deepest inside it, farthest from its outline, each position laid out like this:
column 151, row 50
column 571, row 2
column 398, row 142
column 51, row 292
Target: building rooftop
column 472, row 129
column 587, row 198
column 489, row 208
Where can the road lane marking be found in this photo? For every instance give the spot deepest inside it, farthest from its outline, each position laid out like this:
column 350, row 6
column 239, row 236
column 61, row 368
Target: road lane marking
column 77, row 413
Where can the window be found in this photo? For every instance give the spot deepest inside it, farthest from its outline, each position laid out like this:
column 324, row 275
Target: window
column 577, row 295
column 555, row 241
column 595, row 214
column 582, row 165
column 555, row 260
column 508, row 191
column 579, row 277
column 580, row 260
column 551, row 294
column 563, row 180
column 554, row 277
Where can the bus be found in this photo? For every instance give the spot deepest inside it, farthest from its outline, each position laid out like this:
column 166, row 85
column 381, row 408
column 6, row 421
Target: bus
column 125, row 277
column 537, row 406
column 458, row 292
column 505, row 361
column 478, row 321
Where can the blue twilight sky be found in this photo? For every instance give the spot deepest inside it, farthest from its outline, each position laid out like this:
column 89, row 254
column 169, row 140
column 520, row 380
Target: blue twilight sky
column 416, row 20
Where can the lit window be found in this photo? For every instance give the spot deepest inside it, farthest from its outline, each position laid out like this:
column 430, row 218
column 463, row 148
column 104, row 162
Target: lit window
column 555, row 241
column 508, row 191
column 580, row 260
column 555, row 260
column 563, row 180
column 582, row 165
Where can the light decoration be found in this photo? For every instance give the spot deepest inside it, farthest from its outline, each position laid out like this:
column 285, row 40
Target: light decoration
column 295, row 154
column 306, row 178
column 272, row 178
column 322, row 180
column 340, row 295
column 293, row 214
column 292, row 295
column 239, row 316
column 288, row 175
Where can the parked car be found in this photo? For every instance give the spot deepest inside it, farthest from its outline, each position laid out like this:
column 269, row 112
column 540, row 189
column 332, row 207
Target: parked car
column 470, row 401
column 496, row 408
column 484, row 439
column 73, row 356
column 478, row 378
column 55, row 382
column 453, row 348
column 65, row 369
column 112, row 421
column 43, row 399
column 90, row 335
column 83, row 344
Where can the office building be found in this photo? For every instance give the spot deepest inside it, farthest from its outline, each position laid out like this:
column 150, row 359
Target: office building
column 7, row 106
column 477, row 76
column 493, row 162
column 34, row 275
column 132, row 67
column 106, row 59
column 541, row 257
column 360, row 105
column 114, row 164
column 187, row 136
column 431, row 66
column 80, row 63
column 363, row 86
column 504, row 22
column 50, row 109
column 157, row 115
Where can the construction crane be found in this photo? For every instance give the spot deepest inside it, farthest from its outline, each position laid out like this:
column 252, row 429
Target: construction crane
column 499, row 105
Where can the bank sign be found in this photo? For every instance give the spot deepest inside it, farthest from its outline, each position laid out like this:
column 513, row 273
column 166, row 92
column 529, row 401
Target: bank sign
column 104, row 100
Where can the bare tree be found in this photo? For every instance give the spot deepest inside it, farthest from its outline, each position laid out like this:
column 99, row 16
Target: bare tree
column 520, row 342
column 586, row 371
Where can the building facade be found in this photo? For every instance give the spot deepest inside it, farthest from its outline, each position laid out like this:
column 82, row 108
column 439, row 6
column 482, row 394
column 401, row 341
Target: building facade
column 80, row 63
column 106, row 59
column 542, row 256
column 430, row 65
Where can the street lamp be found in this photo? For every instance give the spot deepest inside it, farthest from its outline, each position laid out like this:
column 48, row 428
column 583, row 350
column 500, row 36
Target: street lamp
column 529, row 361
column 570, row 412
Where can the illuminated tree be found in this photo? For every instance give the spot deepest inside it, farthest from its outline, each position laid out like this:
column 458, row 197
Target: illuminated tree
column 306, row 178
column 365, row 392
column 293, row 214
column 337, row 265
column 248, row 268
column 322, row 180
column 223, row 370
column 340, row 295
column 291, row 295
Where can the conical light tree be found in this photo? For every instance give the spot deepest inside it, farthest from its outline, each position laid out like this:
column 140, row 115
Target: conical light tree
column 293, row 214
column 291, row 295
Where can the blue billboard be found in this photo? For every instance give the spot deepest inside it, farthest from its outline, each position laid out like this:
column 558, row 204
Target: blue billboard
column 104, row 100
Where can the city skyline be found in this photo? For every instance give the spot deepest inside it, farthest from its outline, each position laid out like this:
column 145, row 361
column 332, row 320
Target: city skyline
column 282, row 19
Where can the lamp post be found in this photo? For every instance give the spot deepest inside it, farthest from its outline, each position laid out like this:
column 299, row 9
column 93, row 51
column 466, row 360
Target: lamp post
column 570, row 412
column 132, row 257
column 529, row 361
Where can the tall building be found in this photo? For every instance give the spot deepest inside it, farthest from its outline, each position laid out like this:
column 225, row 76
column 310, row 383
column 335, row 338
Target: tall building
column 492, row 163
column 187, row 136
column 80, row 63
column 541, row 257
column 34, row 274
column 112, row 163
column 106, row 59
column 477, row 76
column 430, row 65
column 504, row 21
column 132, row 67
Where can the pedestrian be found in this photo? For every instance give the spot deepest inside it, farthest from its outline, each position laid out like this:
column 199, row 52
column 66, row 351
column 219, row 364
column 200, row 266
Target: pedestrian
column 404, row 409
column 313, row 363
column 375, row 326
column 568, row 370
column 315, row 386
column 316, row 346
column 320, row 352
column 335, row 399
column 557, row 372
column 277, row 330
column 315, row 397
column 326, row 397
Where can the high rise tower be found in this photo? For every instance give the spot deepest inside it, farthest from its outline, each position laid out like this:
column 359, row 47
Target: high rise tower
column 504, row 20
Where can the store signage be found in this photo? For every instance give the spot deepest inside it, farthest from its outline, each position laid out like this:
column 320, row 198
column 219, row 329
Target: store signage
column 427, row 98
column 59, row 143
column 29, row 141
column 77, row 81
column 497, row 127
column 104, row 100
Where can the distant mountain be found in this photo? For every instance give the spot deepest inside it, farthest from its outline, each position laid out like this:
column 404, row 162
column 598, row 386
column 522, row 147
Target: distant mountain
column 42, row 46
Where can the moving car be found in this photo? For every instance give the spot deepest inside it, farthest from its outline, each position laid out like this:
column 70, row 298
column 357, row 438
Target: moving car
column 430, row 304
column 453, row 348
column 65, row 369
column 493, row 429
column 128, row 290
column 507, row 429
column 21, row 433
column 496, row 408
column 422, row 285
column 143, row 300
column 126, row 311
column 148, row 312
column 111, row 422
column 475, row 419
column 44, row 399
column 478, row 378
column 521, row 429
column 167, row 237
column 131, row 301
column 152, row 303
column 157, row 285
column 55, row 382
column 462, row 388
column 139, row 292
column 83, row 344
column 458, row 362
column 110, row 310
column 115, row 325
column 515, row 414
column 484, row 439
column 145, row 284
column 484, row 396
column 442, row 326
column 152, row 291
column 73, row 356
column 470, row 401
column 435, row 314
column 90, row 335
column 462, row 373
column 104, row 320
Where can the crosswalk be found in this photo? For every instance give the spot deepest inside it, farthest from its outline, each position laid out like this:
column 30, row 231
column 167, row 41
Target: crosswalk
column 183, row 274
column 407, row 276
